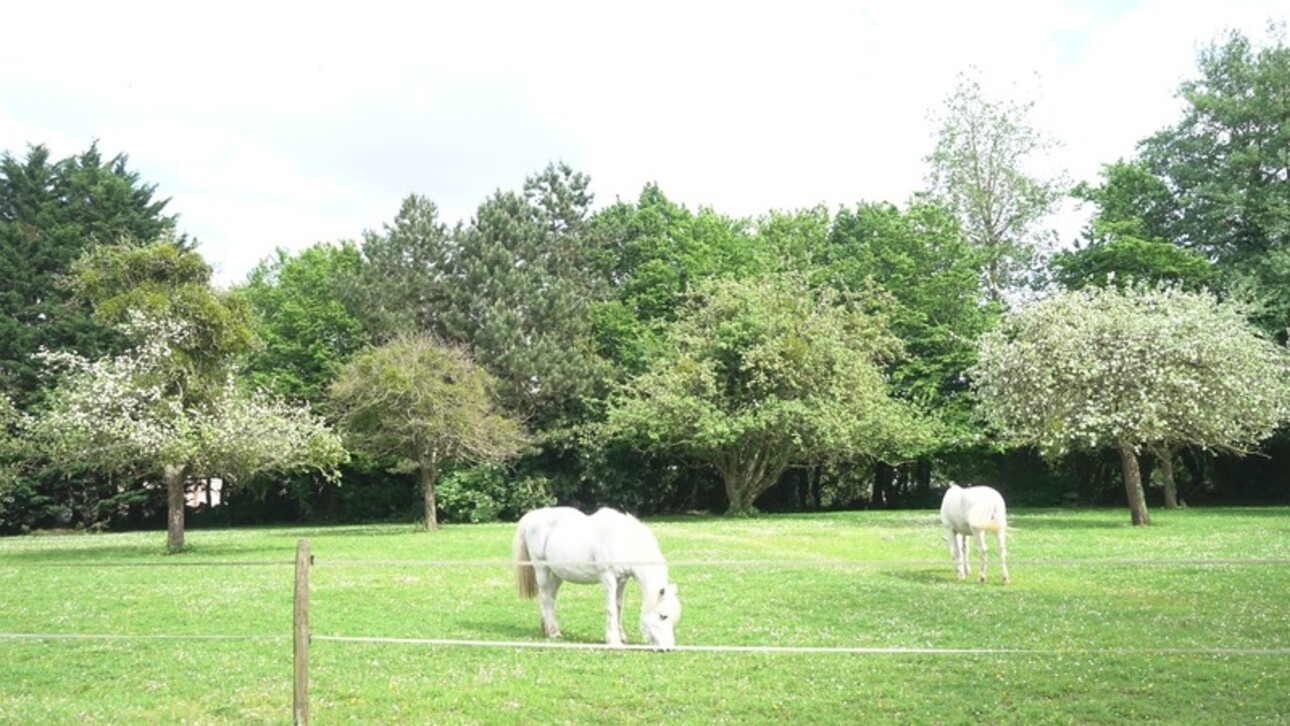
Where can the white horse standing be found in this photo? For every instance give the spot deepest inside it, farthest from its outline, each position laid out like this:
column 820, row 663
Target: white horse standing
column 974, row 512
column 607, row 547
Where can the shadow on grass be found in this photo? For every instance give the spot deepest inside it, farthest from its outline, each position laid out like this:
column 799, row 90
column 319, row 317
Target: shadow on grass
column 925, row 576
column 495, row 630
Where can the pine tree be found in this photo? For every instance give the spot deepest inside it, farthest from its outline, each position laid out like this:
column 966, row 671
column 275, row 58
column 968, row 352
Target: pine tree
column 50, row 213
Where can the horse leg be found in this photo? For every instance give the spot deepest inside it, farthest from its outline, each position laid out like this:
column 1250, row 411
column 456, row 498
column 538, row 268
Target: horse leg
column 613, row 609
column 980, row 548
column 548, row 588
column 1003, row 554
column 622, row 591
column 953, row 538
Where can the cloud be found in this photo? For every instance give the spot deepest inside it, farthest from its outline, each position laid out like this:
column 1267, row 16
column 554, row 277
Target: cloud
column 289, row 123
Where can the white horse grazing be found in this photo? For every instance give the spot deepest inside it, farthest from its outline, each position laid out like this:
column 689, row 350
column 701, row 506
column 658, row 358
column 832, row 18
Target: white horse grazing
column 562, row 543
column 974, row 512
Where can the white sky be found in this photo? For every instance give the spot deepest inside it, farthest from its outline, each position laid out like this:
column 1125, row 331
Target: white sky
column 284, row 124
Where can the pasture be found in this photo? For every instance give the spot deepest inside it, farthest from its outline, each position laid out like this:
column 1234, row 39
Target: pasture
column 1096, row 634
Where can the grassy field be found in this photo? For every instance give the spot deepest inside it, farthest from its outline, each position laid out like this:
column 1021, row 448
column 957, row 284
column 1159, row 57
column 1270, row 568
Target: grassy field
column 1100, row 634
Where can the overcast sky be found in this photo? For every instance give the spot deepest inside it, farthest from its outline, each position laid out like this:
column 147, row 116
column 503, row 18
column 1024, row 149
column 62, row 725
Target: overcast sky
column 277, row 124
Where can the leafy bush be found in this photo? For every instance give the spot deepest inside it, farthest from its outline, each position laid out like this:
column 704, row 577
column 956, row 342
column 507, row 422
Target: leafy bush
column 486, row 493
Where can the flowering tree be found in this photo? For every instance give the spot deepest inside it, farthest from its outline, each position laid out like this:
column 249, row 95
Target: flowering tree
column 130, row 412
column 1131, row 369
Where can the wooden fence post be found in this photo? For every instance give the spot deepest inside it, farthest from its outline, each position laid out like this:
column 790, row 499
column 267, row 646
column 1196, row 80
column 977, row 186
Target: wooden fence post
column 300, row 635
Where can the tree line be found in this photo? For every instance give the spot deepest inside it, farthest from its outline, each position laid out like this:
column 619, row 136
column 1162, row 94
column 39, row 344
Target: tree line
column 659, row 358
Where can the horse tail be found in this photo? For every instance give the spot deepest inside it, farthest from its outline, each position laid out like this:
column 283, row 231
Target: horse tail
column 525, row 575
column 991, row 518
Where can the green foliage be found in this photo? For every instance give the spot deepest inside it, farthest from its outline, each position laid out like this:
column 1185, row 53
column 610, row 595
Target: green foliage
column 1225, row 161
column 421, row 404
column 1127, row 240
column 51, row 212
column 1108, row 367
column 305, row 320
column 1224, row 164
column 487, row 493
column 1129, row 260
column 978, row 170
column 1130, row 202
column 524, row 275
column 401, row 286
column 765, row 374
column 930, row 275
column 16, row 492
column 657, row 252
column 515, row 287
column 165, row 282
column 415, row 398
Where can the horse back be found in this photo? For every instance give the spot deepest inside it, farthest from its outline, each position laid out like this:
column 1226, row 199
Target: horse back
column 979, row 507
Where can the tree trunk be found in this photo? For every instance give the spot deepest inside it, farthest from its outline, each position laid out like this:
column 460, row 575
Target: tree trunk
column 883, row 477
column 175, row 477
column 923, row 480
column 746, row 477
column 741, row 493
column 1133, row 486
column 429, row 470
column 1166, row 457
column 1194, row 460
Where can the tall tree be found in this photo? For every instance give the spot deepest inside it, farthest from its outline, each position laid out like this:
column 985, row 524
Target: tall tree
column 423, row 404
column 406, row 267
column 762, row 375
column 979, row 170
column 211, row 333
column 523, row 278
column 1128, row 369
column 1227, row 162
column 51, row 212
column 306, row 319
column 1226, row 165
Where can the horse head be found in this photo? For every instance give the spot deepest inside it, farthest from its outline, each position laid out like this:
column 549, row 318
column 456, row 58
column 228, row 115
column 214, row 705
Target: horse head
column 658, row 617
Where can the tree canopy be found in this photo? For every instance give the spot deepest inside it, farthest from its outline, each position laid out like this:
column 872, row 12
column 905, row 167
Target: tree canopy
column 764, row 374
column 420, row 403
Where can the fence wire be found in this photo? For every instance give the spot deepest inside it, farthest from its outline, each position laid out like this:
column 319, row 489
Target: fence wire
column 797, row 564
column 757, row 649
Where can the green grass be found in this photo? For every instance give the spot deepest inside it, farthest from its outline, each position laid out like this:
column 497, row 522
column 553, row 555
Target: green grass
column 1094, row 624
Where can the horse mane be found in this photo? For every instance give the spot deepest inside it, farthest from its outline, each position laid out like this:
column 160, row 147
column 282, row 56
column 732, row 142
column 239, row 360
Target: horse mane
column 628, row 540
